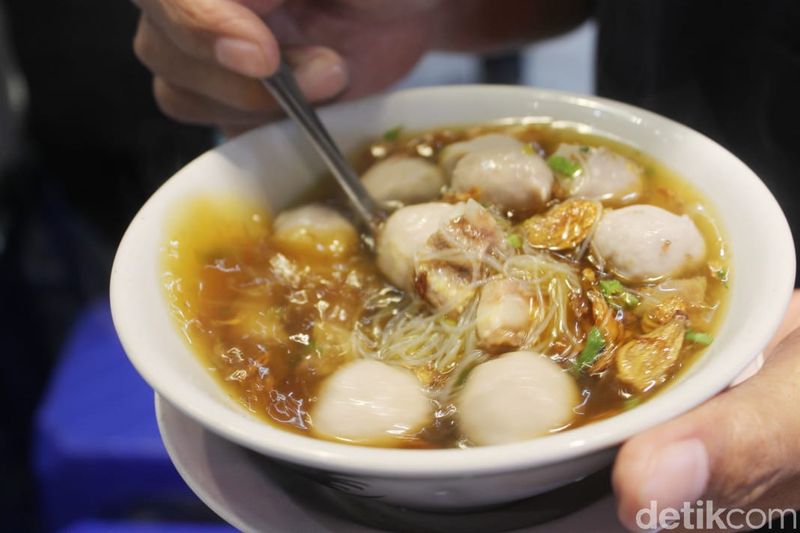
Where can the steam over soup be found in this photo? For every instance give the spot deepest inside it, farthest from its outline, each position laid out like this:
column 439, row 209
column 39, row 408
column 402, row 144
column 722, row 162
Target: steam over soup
column 530, row 279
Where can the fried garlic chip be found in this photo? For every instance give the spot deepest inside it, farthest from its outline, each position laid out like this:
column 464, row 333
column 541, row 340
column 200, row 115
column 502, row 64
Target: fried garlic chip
column 563, row 226
column 645, row 360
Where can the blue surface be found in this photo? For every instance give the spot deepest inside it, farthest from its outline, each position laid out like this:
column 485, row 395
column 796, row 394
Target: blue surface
column 98, row 450
column 139, row 527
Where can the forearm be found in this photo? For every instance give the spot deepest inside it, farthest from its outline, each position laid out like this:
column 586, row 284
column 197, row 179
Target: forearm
column 490, row 25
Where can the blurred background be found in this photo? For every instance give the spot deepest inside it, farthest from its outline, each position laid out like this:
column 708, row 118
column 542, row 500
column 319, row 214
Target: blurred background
column 82, row 146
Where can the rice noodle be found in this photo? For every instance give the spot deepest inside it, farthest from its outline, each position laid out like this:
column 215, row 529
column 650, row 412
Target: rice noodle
column 406, row 332
column 581, row 250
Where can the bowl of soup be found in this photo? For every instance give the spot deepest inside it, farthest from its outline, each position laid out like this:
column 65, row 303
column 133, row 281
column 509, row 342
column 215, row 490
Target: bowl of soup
column 556, row 273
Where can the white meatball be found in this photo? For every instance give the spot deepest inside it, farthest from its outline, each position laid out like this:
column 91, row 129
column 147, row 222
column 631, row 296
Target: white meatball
column 518, row 396
column 452, row 153
column 404, row 181
column 404, row 233
column 511, row 179
column 504, row 314
column 645, row 242
column 604, row 176
column 449, row 265
column 370, row 402
column 315, row 228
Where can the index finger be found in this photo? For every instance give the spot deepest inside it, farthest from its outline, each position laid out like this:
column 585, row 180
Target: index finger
column 224, row 32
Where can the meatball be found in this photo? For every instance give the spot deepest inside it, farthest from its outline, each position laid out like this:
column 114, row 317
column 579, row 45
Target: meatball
column 369, row 402
column 404, row 233
column 645, row 242
column 452, row 261
column 511, row 179
column 518, row 396
column 451, row 154
column 504, row 315
column 399, row 181
column 315, row 229
column 604, row 175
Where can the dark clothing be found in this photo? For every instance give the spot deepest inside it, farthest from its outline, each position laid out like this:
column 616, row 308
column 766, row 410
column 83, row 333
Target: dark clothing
column 95, row 146
column 728, row 69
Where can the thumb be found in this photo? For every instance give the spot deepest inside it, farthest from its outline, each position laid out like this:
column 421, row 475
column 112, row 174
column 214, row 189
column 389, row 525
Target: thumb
column 733, row 449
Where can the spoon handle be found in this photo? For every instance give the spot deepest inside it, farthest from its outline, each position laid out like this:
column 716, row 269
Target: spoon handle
column 285, row 90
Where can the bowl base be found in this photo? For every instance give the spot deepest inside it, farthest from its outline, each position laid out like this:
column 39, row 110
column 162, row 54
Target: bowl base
column 307, row 488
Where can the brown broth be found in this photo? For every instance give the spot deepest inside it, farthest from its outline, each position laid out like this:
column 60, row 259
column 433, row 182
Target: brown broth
column 251, row 308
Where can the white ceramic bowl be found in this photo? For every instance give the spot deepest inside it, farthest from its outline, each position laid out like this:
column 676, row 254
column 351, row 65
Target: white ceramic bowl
column 274, row 163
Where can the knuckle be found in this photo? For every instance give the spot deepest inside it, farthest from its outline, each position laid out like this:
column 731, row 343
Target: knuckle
column 171, row 103
column 143, row 47
column 203, row 18
column 252, row 98
column 140, row 44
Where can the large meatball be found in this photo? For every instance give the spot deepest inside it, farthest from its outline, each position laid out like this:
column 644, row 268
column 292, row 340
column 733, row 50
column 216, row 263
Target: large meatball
column 450, row 264
column 315, row 229
column 369, row 402
column 604, row 175
column 399, row 181
column 453, row 153
column 512, row 179
column 645, row 242
column 516, row 397
column 404, row 233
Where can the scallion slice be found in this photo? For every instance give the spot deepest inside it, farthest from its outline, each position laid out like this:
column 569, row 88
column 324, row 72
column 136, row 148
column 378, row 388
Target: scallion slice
column 565, row 166
column 594, row 345
column 698, row 337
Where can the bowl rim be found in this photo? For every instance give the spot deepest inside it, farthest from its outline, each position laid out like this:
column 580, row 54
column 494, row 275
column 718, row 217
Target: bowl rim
column 551, row 449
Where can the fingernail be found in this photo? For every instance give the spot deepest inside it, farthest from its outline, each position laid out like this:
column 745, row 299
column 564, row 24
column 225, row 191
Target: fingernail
column 321, row 74
column 678, row 473
column 243, row 57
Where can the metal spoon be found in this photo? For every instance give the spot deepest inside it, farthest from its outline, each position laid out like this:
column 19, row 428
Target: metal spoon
column 284, row 89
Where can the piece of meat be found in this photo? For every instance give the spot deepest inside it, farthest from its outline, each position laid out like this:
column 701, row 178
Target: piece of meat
column 513, row 180
column 645, row 243
column 504, row 315
column 400, row 181
column 516, row 397
column 369, row 402
column 315, row 229
column 453, row 153
column 604, row 175
column 457, row 256
column 404, row 233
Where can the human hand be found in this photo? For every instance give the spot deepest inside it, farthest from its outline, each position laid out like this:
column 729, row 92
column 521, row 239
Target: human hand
column 207, row 56
column 740, row 450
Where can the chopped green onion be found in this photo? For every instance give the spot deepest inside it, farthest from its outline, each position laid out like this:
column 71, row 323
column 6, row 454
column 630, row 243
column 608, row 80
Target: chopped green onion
column 632, row 402
column 564, row 166
column 630, row 299
column 698, row 337
column 610, row 287
column 616, row 294
column 594, row 345
column 722, row 275
column 514, row 240
column 527, row 148
column 392, row 134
